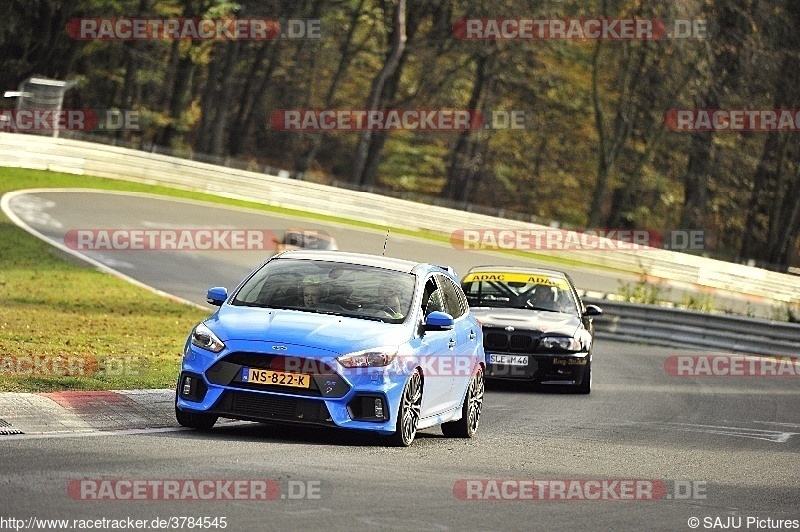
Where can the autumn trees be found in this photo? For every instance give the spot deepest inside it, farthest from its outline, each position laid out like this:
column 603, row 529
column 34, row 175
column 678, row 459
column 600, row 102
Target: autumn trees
column 595, row 149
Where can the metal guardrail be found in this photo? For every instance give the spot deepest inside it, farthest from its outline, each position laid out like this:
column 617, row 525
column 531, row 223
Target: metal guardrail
column 85, row 158
column 688, row 329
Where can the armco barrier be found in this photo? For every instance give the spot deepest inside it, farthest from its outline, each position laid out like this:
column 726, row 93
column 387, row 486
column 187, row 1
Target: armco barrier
column 687, row 329
column 79, row 157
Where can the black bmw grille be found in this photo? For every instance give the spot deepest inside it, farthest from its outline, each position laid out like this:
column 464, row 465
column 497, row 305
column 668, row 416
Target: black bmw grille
column 520, row 342
column 495, row 340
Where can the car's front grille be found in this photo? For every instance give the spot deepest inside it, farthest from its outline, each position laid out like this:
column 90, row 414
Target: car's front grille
column 279, row 363
column 324, row 381
column 256, row 403
column 266, row 407
column 520, row 343
column 495, row 340
column 508, row 342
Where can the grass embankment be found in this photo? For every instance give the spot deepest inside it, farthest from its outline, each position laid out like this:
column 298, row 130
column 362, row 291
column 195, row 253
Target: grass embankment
column 64, row 326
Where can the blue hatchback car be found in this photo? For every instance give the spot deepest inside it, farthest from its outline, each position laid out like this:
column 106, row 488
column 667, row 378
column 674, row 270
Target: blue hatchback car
column 340, row 340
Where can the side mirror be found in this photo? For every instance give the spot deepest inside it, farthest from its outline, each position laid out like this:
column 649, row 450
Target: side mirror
column 592, row 310
column 439, row 321
column 217, row 295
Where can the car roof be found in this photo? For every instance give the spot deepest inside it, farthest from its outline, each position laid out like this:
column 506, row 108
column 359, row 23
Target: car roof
column 346, row 257
column 308, row 232
column 518, row 269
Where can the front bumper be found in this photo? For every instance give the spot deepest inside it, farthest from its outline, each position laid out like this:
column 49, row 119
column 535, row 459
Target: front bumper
column 540, row 368
column 357, row 399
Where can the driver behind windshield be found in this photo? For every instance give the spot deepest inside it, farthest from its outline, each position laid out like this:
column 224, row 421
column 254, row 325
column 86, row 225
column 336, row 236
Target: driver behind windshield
column 543, row 297
column 391, row 300
column 312, row 293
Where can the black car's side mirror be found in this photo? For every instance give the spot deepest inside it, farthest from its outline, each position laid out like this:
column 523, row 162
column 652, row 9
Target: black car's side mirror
column 592, row 310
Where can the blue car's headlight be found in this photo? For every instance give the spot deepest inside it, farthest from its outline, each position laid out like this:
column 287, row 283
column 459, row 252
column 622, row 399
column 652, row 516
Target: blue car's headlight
column 561, row 343
column 369, row 358
column 205, row 338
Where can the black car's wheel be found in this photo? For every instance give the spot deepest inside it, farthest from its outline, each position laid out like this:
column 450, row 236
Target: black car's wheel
column 409, row 411
column 585, row 386
column 194, row 420
column 467, row 426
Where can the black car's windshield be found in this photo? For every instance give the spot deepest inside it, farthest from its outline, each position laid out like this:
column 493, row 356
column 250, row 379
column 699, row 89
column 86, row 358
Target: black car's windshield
column 519, row 290
column 330, row 288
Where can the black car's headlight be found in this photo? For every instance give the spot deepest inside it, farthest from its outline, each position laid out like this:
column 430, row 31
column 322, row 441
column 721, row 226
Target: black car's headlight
column 205, row 338
column 563, row 344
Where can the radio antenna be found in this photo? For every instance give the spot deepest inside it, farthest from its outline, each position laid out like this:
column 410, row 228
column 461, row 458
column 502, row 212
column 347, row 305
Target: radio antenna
column 385, row 242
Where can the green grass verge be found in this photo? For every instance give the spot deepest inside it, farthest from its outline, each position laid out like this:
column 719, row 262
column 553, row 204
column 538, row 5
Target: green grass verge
column 64, row 326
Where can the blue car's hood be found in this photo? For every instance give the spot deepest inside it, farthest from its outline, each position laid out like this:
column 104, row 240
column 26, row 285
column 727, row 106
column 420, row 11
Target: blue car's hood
column 323, row 331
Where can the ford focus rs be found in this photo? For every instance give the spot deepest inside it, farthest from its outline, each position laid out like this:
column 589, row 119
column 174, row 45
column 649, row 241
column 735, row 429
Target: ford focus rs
column 535, row 325
column 339, row 340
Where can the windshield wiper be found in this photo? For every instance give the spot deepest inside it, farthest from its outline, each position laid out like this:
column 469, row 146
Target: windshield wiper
column 541, row 308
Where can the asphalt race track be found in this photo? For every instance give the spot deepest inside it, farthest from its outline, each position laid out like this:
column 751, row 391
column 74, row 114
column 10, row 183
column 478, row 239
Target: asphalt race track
column 188, row 274
column 710, row 448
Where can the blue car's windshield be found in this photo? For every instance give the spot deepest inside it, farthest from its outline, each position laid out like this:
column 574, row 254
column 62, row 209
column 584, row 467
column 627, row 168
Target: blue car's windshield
column 330, row 287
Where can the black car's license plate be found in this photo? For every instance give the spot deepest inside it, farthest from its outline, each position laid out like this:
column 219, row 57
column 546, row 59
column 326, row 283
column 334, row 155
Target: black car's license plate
column 509, row 360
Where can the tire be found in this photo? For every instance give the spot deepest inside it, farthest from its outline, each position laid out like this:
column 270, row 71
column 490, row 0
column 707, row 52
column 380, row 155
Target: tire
column 409, row 411
column 585, row 387
column 194, row 420
column 467, row 426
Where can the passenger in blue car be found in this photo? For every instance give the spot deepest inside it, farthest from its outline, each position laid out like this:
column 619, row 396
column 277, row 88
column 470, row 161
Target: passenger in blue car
column 316, row 297
column 312, row 293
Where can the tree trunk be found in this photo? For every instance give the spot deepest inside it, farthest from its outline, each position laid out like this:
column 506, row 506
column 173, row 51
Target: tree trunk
column 461, row 167
column 398, row 43
column 761, row 199
column 223, row 104
column 247, row 112
column 209, row 101
column 347, row 54
column 725, row 66
column 132, row 51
